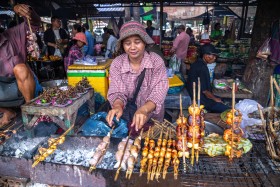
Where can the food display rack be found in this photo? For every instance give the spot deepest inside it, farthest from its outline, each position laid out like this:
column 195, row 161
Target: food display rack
column 63, row 116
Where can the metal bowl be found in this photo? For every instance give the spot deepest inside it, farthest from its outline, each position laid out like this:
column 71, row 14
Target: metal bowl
column 213, row 128
column 54, row 83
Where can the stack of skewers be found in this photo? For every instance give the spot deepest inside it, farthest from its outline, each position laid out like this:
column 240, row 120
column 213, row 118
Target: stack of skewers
column 234, row 134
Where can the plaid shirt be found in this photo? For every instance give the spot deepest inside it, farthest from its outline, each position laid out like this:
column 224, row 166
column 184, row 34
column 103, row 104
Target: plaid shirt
column 74, row 53
column 123, row 82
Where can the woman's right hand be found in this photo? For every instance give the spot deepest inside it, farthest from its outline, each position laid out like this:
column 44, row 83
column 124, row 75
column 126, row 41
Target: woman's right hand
column 116, row 111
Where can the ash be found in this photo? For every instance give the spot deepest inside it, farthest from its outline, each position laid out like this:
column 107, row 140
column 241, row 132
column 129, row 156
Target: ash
column 80, row 157
column 19, row 145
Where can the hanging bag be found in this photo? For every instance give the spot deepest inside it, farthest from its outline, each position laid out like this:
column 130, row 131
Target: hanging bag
column 131, row 107
column 264, row 51
column 206, row 19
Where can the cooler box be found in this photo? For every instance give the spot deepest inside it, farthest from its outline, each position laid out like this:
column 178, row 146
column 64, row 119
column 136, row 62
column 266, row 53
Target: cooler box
column 97, row 76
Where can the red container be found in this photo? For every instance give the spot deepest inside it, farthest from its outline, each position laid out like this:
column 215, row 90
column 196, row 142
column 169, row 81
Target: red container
column 156, row 39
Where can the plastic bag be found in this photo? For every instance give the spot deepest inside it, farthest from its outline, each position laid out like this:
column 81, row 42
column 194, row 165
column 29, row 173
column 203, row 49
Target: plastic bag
column 247, row 106
column 97, row 125
column 175, row 63
column 264, row 51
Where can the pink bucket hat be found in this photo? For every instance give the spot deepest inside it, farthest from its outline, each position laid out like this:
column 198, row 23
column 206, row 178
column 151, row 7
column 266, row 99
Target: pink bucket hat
column 81, row 37
column 133, row 28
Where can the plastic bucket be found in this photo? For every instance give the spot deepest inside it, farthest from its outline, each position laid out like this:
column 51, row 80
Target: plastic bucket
column 211, row 68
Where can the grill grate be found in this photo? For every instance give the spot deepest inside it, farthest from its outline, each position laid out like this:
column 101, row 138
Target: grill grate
column 253, row 169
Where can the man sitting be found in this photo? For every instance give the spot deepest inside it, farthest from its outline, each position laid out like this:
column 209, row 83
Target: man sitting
column 13, row 57
column 200, row 70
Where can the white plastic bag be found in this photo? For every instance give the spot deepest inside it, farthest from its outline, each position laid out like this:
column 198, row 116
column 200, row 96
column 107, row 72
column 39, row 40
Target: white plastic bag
column 175, row 63
column 247, row 106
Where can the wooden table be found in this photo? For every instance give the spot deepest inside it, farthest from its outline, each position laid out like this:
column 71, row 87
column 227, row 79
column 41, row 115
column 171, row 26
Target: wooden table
column 240, row 94
column 63, row 116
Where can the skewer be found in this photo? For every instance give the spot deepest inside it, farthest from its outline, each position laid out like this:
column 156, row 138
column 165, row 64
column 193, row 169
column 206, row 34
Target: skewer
column 119, row 168
column 103, row 153
column 198, row 92
column 184, row 156
column 276, row 85
column 271, row 92
column 193, row 121
column 55, row 142
column 128, row 175
column 181, row 107
column 31, row 32
column 232, row 124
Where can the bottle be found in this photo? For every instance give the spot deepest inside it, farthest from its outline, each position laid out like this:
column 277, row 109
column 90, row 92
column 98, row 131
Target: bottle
column 237, row 83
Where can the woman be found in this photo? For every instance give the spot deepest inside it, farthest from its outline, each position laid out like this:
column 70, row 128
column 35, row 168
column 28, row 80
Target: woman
column 111, row 44
column 75, row 51
column 124, row 72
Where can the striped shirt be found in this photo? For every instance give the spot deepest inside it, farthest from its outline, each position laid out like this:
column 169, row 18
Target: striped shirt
column 123, row 82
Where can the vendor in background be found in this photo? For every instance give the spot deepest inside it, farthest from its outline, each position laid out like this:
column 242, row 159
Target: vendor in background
column 217, row 33
column 200, row 69
column 75, row 52
column 124, row 72
column 150, row 28
column 189, row 31
column 56, row 38
column 180, row 47
column 13, row 58
column 105, row 37
column 88, row 49
column 76, row 28
column 111, row 44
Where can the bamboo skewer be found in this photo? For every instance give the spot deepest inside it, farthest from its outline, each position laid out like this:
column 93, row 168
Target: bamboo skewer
column 198, row 92
column 276, row 85
column 119, row 168
column 271, row 92
column 31, row 32
column 193, row 123
column 53, row 143
column 128, row 175
column 103, row 153
column 232, row 124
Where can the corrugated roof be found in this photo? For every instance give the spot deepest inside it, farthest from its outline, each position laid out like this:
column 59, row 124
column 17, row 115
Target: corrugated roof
column 109, row 7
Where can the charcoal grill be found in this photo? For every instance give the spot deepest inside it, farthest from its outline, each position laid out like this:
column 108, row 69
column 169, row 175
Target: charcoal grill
column 253, row 169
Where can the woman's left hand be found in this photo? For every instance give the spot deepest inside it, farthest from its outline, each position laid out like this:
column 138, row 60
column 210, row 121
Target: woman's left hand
column 140, row 118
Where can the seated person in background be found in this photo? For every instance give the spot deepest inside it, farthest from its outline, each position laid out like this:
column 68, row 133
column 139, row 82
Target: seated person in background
column 124, row 72
column 200, row 69
column 13, row 58
column 111, row 44
column 75, row 52
column 217, row 33
column 150, row 28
